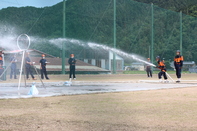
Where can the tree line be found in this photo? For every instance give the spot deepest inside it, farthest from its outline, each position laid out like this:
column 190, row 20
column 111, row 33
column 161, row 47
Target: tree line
column 92, row 20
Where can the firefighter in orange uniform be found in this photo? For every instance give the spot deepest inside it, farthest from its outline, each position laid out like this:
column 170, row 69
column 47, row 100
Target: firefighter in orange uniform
column 161, row 66
column 178, row 63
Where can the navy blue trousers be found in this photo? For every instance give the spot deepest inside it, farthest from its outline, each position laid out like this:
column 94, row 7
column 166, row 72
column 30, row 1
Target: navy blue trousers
column 29, row 71
column 72, row 71
column 43, row 72
column 178, row 71
column 13, row 71
column 162, row 73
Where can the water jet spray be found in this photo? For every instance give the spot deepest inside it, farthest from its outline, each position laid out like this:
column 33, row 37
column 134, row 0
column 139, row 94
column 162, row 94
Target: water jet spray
column 99, row 46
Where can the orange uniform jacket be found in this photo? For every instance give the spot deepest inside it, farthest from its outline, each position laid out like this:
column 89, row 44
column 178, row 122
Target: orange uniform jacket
column 161, row 65
column 178, row 60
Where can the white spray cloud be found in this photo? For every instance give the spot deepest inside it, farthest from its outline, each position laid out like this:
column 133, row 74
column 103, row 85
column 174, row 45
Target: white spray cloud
column 8, row 37
column 58, row 42
column 95, row 46
column 8, row 42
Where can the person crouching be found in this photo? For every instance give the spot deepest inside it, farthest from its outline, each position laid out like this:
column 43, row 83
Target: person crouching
column 162, row 67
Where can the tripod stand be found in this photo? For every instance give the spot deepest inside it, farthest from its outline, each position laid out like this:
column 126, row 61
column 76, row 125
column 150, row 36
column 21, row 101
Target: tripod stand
column 23, row 43
column 22, row 68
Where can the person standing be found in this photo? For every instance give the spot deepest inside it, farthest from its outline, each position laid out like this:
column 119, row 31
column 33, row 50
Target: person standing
column 43, row 71
column 148, row 69
column 162, row 67
column 72, row 63
column 13, row 66
column 178, row 63
column 28, row 66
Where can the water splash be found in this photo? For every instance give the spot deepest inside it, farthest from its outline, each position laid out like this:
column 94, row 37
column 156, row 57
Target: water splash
column 98, row 46
column 8, row 42
column 117, row 51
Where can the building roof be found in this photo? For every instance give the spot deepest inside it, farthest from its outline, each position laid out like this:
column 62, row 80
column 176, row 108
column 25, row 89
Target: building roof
column 55, row 64
column 185, row 63
column 37, row 53
column 188, row 62
column 33, row 52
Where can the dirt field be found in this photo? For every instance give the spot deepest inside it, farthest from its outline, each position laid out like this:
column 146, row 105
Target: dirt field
column 107, row 77
column 156, row 110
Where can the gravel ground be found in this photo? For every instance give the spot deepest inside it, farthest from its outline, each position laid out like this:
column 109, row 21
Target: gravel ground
column 150, row 110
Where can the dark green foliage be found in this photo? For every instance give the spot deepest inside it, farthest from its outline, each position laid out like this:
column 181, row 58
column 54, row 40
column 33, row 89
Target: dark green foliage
column 92, row 20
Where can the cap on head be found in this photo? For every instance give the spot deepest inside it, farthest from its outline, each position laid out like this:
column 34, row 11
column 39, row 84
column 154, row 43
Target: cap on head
column 158, row 57
column 178, row 51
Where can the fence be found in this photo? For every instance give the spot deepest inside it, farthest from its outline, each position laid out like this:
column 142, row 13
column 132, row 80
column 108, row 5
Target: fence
column 144, row 29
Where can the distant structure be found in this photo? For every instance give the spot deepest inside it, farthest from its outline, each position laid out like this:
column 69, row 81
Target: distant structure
column 187, row 65
column 135, row 66
column 105, row 61
column 55, row 65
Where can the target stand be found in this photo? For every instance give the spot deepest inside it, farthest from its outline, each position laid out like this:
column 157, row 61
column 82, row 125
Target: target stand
column 23, row 43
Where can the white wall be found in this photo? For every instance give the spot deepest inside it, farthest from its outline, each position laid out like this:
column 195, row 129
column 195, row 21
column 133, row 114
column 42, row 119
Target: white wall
column 93, row 62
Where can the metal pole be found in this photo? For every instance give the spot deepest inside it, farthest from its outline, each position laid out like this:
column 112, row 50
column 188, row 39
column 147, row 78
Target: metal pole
column 64, row 35
column 114, row 55
column 39, row 76
column 3, row 60
column 152, row 33
column 25, row 75
column 21, row 70
column 5, row 69
column 181, row 32
column 169, row 77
